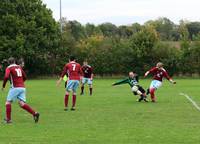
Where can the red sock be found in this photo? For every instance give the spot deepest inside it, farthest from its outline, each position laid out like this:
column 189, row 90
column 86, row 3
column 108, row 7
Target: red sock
column 90, row 91
column 152, row 90
column 28, row 109
column 66, row 100
column 8, row 112
column 73, row 100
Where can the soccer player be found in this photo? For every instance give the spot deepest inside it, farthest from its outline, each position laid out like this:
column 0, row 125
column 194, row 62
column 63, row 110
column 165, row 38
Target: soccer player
column 158, row 73
column 65, row 78
column 74, row 72
column 17, row 76
column 133, row 81
column 87, row 77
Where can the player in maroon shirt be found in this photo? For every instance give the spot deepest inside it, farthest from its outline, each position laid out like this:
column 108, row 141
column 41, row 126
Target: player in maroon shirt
column 158, row 73
column 17, row 76
column 74, row 72
column 87, row 77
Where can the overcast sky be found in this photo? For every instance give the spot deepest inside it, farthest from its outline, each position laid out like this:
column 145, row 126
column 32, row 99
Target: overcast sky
column 122, row 12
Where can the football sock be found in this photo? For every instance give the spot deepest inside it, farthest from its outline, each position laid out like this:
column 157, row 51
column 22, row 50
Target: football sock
column 82, row 89
column 147, row 91
column 90, row 91
column 152, row 93
column 28, row 109
column 8, row 112
column 141, row 98
column 66, row 100
column 73, row 100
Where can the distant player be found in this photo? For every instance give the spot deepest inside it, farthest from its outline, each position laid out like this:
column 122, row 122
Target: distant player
column 17, row 76
column 133, row 81
column 87, row 77
column 158, row 73
column 73, row 70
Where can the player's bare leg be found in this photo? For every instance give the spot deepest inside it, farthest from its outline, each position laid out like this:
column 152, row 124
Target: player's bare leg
column 152, row 91
column 27, row 108
column 66, row 99
column 8, row 113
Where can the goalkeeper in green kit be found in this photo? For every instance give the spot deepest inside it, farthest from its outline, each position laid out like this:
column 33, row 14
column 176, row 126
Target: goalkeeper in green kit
column 133, row 80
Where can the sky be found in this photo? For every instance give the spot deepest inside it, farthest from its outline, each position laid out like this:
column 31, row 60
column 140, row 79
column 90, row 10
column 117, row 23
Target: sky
column 125, row 12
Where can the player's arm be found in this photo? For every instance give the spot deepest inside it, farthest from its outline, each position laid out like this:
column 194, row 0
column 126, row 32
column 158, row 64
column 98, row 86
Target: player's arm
column 149, row 71
column 62, row 75
column 146, row 74
column 166, row 75
column 125, row 81
column 92, row 76
column 172, row 81
column 6, row 77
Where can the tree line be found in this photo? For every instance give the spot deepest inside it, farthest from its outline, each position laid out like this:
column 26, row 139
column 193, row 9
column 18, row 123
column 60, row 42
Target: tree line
column 28, row 31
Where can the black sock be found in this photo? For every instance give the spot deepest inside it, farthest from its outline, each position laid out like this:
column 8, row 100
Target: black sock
column 147, row 91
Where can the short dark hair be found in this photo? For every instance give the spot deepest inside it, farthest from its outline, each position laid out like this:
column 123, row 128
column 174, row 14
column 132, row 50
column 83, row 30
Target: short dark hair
column 72, row 58
column 11, row 60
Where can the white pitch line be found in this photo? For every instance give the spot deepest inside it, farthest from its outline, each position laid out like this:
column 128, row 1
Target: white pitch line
column 192, row 101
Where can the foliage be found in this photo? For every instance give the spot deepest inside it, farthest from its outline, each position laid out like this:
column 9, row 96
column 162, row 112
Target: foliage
column 28, row 31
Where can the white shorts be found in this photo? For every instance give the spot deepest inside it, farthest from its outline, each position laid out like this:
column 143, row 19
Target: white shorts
column 17, row 93
column 72, row 85
column 155, row 84
column 86, row 80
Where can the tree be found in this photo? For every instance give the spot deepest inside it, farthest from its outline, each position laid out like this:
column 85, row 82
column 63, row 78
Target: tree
column 108, row 29
column 136, row 27
column 183, row 31
column 164, row 27
column 142, row 44
column 91, row 29
column 167, row 54
column 125, row 31
column 29, row 31
column 193, row 29
column 77, row 30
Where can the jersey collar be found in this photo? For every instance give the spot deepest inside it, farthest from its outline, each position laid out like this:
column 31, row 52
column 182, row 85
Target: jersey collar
column 12, row 65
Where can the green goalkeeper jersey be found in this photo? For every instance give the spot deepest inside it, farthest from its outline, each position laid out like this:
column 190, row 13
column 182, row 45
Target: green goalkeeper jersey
column 131, row 81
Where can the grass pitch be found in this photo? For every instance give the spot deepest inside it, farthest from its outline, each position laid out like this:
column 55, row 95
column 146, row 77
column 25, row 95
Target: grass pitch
column 110, row 116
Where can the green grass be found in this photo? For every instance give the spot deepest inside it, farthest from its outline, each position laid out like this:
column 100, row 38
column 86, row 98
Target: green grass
column 110, row 116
